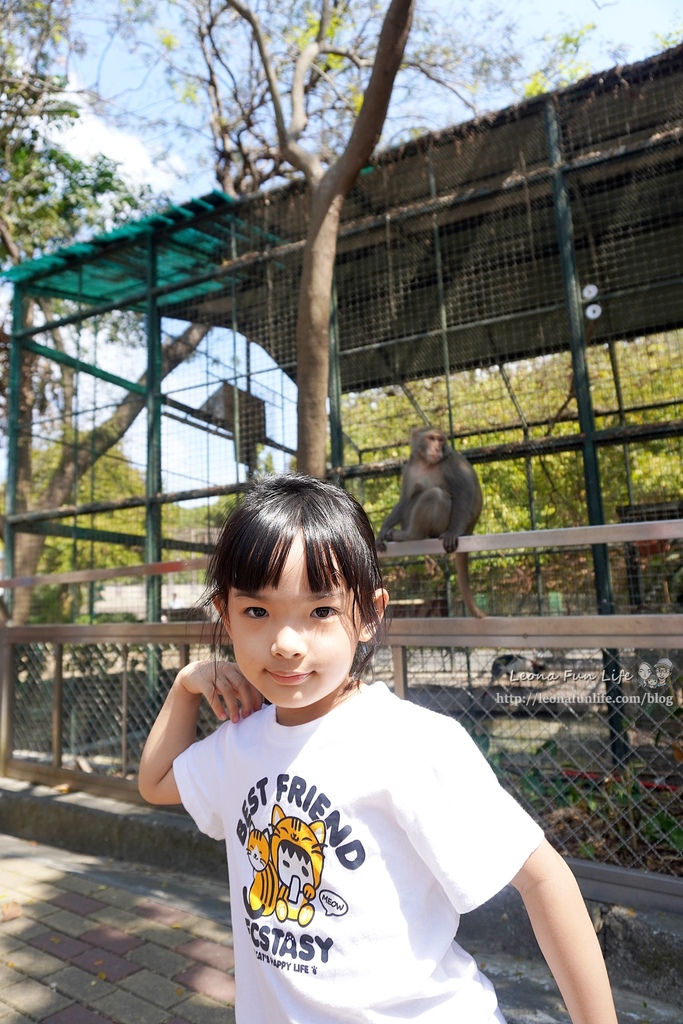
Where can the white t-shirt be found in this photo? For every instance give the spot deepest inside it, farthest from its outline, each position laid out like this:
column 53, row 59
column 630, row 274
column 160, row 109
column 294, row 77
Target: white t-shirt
column 354, row 844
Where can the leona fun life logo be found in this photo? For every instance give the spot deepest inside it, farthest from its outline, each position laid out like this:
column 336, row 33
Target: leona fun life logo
column 651, row 677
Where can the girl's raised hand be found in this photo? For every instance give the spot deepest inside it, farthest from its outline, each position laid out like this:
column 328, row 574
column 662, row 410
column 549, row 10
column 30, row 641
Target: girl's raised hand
column 222, row 684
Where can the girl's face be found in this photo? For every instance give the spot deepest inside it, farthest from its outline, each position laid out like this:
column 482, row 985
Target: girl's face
column 294, row 646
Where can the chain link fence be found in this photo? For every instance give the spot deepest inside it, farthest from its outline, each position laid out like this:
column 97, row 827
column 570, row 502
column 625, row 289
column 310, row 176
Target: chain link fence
column 514, row 281
column 588, row 738
column 602, row 771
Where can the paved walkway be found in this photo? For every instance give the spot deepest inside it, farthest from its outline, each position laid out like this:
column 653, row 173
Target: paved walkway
column 87, row 940
column 84, row 940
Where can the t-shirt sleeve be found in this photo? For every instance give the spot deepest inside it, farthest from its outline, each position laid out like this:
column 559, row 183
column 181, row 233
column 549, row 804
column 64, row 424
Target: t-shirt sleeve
column 472, row 834
column 198, row 773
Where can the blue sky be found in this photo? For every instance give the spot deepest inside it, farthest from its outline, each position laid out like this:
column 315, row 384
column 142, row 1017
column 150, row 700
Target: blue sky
column 626, row 26
column 629, row 24
column 623, row 27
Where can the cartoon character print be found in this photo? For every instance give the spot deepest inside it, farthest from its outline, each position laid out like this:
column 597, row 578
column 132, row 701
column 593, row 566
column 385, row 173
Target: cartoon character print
column 297, row 853
column 264, row 888
column 287, row 869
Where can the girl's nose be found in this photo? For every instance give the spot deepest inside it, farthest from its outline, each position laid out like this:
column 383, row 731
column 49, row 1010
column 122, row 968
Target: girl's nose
column 287, row 644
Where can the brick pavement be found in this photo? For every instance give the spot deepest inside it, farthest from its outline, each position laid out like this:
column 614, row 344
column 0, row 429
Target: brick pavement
column 84, row 940
column 87, row 940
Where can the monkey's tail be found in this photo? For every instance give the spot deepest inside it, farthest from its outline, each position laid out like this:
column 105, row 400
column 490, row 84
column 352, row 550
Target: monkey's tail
column 462, row 568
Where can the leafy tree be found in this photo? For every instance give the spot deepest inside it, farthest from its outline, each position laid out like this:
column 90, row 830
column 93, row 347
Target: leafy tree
column 304, row 88
column 563, row 62
column 48, row 198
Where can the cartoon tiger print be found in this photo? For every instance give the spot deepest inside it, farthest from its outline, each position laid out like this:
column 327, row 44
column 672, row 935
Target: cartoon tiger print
column 264, row 889
column 297, row 855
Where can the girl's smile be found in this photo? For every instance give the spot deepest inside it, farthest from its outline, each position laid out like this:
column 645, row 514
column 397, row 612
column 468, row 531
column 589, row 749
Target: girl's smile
column 295, row 646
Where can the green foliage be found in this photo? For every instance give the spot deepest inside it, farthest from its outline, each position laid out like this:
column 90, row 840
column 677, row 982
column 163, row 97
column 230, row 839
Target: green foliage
column 51, row 196
column 111, row 477
column 563, row 62
column 168, row 40
column 377, row 424
column 48, row 196
column 666, row 40
column 613, row 819
column 301, row 36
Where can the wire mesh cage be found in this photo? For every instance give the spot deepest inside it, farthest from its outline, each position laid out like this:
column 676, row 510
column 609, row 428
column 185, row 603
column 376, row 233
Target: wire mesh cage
column 595, row 754
column 514, row 281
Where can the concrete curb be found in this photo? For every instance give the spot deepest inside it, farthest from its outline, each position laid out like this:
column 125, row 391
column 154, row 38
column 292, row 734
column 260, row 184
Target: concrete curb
column 643, row 948
column 108, row 828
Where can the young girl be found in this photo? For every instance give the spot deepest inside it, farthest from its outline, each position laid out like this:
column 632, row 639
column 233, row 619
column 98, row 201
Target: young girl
column 359, row 827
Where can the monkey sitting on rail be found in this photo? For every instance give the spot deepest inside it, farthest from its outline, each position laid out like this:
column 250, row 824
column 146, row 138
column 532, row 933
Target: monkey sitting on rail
column 440, row 497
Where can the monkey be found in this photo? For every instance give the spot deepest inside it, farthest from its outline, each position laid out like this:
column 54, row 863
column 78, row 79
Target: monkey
column 440, row 497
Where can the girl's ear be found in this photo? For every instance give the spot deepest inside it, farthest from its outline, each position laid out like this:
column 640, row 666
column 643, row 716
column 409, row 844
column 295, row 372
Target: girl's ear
column 381, row 600
column 221, row 606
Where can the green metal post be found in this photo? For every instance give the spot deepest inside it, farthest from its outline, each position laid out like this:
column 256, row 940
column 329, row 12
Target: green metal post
column 7, row 664
column 443, row 318
column 335, row 387
column 577, row 337
column 153, row 484
column 153, row 481
column 577, row 340
column 236, row 411
column 14, row 427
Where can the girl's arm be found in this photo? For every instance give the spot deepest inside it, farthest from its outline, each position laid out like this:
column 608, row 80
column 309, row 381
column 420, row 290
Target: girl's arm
column 566, row 936
column 229, row 694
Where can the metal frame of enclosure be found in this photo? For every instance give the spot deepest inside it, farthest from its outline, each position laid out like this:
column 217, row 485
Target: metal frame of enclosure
column 589, row 757
column 550, row 229
column 515, row 280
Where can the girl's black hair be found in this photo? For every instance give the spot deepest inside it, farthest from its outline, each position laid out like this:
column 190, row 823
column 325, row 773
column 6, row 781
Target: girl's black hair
column 339, row 544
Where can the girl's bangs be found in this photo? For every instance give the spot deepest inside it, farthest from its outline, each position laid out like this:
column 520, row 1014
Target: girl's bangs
column 267, row 546
column 323, row 566
column 265, row 549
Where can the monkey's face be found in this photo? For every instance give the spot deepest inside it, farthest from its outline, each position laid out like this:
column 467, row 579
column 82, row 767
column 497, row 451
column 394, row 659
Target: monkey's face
column 432, row 446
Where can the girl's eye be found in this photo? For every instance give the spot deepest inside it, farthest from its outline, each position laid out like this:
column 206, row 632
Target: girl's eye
column 324, row 613
column 255, row 612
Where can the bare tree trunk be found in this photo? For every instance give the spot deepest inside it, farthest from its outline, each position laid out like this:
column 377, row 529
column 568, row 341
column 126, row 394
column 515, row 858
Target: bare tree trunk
column 312, row 331
column 327, row 199
column 29, row 547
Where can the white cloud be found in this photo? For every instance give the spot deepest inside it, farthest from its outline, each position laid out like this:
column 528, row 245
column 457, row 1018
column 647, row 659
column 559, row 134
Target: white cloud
column 90, row 135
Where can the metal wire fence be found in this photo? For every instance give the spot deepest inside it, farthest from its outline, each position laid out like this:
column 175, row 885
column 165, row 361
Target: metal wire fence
column 90, row 706
column 592, row 746
column 581, row 716
column 605, row 779
column 514, row 281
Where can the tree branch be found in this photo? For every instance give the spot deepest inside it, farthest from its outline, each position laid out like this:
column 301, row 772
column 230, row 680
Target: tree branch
column 340, row 51
column 107, row 434
column 306, row 162
column 222, row 141
column 425, row 70
column 368, row 127
column 303, row 64
column 9, row 243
